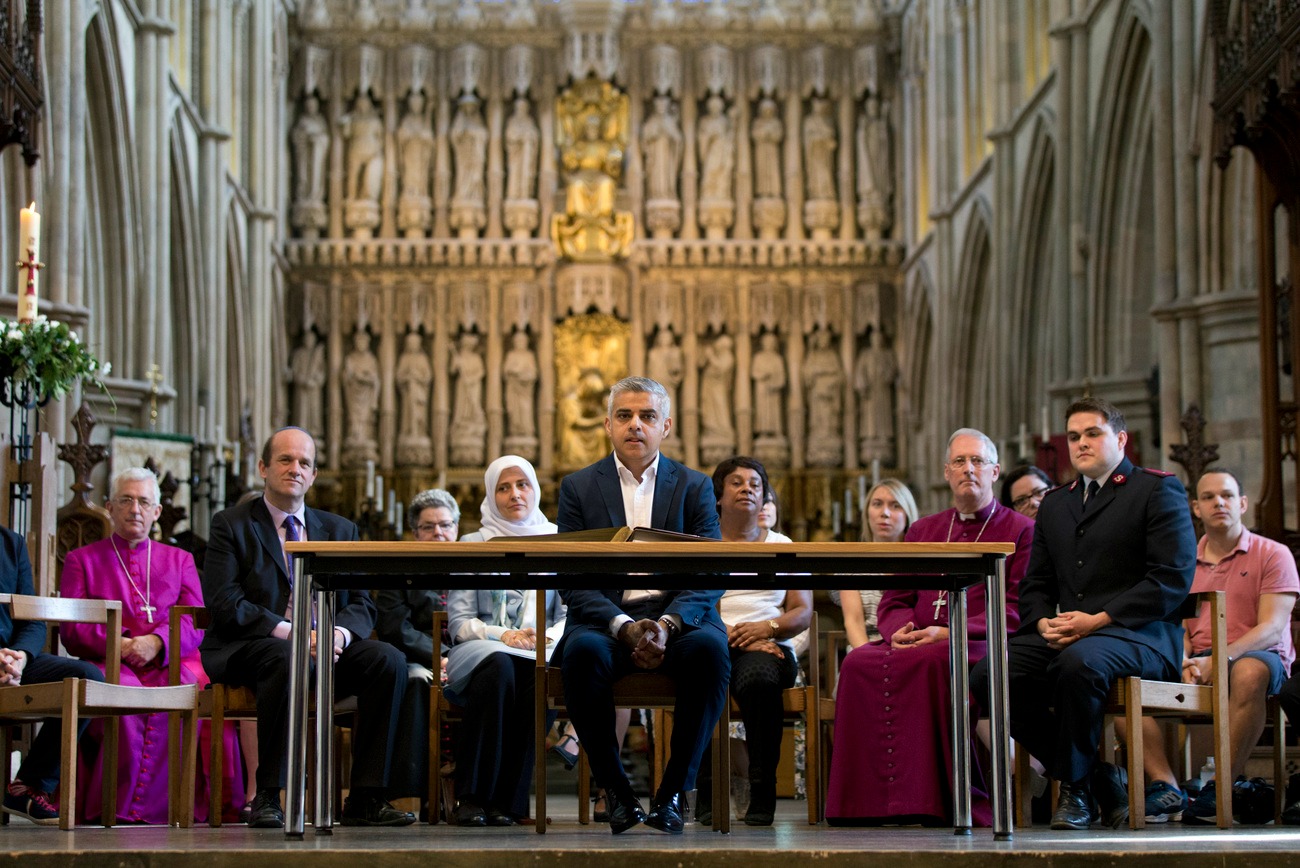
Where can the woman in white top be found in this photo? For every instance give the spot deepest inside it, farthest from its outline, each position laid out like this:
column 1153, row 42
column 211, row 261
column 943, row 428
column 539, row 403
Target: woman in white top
column 490, row 667
column 890, row 511
column 760, row 627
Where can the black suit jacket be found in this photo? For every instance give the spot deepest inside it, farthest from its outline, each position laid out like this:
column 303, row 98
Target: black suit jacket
column 1132, row 554
column 592, row 498
column 246, row 581
column 16, row 578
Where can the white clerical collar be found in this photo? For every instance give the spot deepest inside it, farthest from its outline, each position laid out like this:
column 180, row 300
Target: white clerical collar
column 981, row 513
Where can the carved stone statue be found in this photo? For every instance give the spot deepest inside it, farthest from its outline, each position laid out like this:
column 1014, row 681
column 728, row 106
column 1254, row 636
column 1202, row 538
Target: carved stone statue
column 469, row 137
column 874, row 374
column 364, row 131
column 415, row 150
column 767, row 131
column 819, row 146
column 823, row 378
column 661, row 138
column 717, row 386
column 768, row 373
column 875, row 169
column 666, row 364
column 361, row 396
column 468, row 421
column 519, row 368
column 307, row 373
column 414, row 374
column 592, row 119
column 522, row 137
column 715, row 135
column 311, row 146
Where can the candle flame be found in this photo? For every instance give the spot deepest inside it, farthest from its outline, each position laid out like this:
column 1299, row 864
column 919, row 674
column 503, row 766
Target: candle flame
column 32, row 207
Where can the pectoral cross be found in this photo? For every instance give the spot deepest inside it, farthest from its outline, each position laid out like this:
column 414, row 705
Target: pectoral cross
column 148, row 612
column 940, row 603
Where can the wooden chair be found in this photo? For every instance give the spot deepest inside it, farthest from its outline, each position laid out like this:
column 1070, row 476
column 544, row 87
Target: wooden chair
column 1138, row 697
column 222, row 702
column 832, row 642
column 798, row 704
column 74, row 698
column 440, row 709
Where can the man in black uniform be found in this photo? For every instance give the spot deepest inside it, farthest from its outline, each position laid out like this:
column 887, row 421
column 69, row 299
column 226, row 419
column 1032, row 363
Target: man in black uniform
column 1103, row 598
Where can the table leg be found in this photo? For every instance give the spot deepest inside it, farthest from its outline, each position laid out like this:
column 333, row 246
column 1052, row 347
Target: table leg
column 324, row 774
column 995, row 584
column 959, row 661
column 295, row 794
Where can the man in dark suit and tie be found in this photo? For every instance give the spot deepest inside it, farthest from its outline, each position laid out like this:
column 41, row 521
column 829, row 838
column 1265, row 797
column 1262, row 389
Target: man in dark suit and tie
column 1103, row 598
column 247, row 587
column 610, row 633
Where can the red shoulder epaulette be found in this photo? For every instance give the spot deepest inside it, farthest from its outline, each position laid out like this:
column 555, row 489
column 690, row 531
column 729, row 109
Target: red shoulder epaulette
column 1155, row 472
column 1064, row 485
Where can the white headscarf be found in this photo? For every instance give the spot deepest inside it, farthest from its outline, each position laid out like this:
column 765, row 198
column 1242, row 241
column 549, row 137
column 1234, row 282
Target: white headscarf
column 494, row 523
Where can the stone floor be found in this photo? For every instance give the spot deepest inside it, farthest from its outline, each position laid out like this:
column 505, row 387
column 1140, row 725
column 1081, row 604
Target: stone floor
column 571, row 845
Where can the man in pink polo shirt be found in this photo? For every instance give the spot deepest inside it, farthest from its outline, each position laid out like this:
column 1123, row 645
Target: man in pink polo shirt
column 1260, row 578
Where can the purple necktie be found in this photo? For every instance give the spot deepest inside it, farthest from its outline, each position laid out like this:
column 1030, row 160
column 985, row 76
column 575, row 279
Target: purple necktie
column 290, row 535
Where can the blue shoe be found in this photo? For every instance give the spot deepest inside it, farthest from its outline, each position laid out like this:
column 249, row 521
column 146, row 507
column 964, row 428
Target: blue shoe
column 1164, row 804
column 1203, row 810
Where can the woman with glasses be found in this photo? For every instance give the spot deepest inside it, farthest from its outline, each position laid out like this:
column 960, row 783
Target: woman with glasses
column 490, row 669
column 405, row 620
column 1024, row 487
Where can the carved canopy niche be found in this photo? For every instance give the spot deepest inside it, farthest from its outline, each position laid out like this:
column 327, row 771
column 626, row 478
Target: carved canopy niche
column 1257, row 106
column 20, row 83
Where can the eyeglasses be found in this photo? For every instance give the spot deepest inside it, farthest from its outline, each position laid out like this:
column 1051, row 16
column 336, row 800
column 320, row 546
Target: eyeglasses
column 1036, row 494
column 444, row 526
column 976, row 461
column 126, row 502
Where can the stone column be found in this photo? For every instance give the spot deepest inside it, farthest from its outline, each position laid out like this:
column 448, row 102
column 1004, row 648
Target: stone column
column 492, row 362
column 1165, row 222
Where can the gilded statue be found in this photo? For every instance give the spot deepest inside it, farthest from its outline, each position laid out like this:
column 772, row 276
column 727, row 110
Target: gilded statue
column 591, row 132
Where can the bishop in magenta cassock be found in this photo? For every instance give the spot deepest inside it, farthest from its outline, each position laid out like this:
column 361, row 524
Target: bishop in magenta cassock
column 148, row 578
column 893, row 761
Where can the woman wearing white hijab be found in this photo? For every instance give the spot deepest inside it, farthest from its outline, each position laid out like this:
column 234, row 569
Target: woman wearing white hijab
column 490, row 667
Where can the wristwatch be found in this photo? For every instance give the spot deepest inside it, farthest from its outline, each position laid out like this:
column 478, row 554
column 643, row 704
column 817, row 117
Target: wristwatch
column 776, row 628
column 670, row 626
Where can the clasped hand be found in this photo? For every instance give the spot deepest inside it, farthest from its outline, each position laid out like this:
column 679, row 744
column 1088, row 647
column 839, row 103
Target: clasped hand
column 140, row 651
column 1198, row 670
column 754, row 636
column 12, row 664
column 907, row 636
column 339, row 641
column 648, row 640
column 1069, row 627
column 525, row 638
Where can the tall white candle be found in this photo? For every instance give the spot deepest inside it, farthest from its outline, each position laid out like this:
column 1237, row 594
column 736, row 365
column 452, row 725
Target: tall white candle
column 1047, row 428
column 392, row 506
column 379, row 491
column 835, row 518
column 862, row 493
column 370, row 480
column 875, row 472
column 1022, row 441
column 203, row 424
column 848, row 505
column 401, row 508
column 29, row 251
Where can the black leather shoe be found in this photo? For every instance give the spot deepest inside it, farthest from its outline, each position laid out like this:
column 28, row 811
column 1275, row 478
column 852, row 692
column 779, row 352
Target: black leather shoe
column 499, row 818
column 666, row 815
column 470, row 814
column 599, row 808
column 623, row 815
column 266, row 813
column 1073, row 808
column 1110, row 787
column 704, row 807
column 371, row 810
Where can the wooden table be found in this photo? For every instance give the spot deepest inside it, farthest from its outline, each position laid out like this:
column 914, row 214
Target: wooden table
column 531, row 563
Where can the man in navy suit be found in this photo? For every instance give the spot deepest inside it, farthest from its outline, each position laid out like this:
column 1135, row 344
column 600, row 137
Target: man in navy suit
column 1103, row 598
column 610, row 633
column 247, row 588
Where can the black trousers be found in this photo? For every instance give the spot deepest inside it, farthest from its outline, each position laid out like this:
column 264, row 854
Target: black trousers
column 757, row 679
column 40, row 768
column 697, row 660
column 495, row 749
column 1058, row 698
column 373, row 671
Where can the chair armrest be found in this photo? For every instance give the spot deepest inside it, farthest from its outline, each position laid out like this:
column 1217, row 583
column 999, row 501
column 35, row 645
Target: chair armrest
column 201, row 621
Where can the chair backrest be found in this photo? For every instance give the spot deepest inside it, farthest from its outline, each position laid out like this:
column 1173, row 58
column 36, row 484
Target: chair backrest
column 62, row 610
